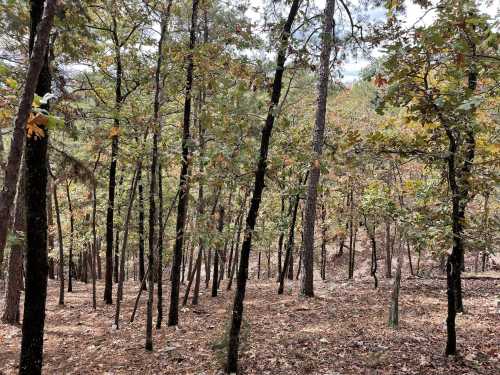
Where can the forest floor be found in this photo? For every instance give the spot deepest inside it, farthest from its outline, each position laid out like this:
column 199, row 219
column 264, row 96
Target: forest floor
column 343, row 330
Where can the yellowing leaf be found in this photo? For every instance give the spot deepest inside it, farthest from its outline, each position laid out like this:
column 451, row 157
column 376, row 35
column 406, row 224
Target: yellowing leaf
column 114, row 132
column 12, row 83
column 33, row 128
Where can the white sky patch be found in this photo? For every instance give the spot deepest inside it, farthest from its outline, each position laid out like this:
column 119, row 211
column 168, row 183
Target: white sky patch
column 415, row 16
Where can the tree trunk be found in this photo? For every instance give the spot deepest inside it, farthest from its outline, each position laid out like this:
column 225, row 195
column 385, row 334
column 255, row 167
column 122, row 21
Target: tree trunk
column 61, row 247
column 116, row 252
column 237, row 245
column 108, row 287
column 307, row 285
column 410, row 263
column 37, row 80
column 323, row 242
column 94, row 249
column 71, row 239
column 215, row 279
column 98, row 257
column 388, row 254
column 36, row 193
column 280, row 239
column 191, row 278
column 50, row 219
column 394, row 306
column 15, row 276
column 141, row 227
column 237, row 316
column 373, row 266
column 288, row 264
column 161, row 224
column 173, row 317
column 131, row 197
column 352, row 234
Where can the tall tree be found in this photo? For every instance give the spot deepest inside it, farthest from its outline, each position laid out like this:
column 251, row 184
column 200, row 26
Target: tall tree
column 307, row 285
column 36, row 190
column 71, row 267
column 237, row 315
column 445, row 60
column 15, row 270
column 173, row 317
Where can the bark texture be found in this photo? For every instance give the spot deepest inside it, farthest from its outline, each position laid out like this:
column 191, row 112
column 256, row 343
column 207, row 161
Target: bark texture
column 307, row 284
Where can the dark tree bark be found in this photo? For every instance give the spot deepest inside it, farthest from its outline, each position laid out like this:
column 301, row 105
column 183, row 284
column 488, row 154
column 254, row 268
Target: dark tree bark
column 141, row 227
column 290, row 241
column 307, row 285
column 119, row 99
column 50, row 218
column 410, row 262
column 15, row 276
column 394, row 306
column 458, row 180
column 258, row 265
column 173, row 317
column 220, row 227
column 36, row 192
column 98, row 258
column 323, row 242
column 94, row 248
column 373, row 267
column 131, row 197
column 237, row 245
column 191, row 278
column 280, row 239
column 71, row 270
column 200, row 212
column 116, row 256
column 237, row 316
column 38, row 66
column 154, row 169
column 388, row 253
column 352, row 233
column 161, row 224
column 61, row 247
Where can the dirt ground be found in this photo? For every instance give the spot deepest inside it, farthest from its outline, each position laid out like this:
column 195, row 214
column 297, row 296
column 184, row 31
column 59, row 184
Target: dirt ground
column 343, row 330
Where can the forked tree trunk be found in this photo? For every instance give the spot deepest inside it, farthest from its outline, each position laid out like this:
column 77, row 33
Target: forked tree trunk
column 237, row 316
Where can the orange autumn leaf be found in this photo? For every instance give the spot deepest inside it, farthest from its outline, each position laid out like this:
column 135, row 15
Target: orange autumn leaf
column 114, row 132
column 33, row 125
